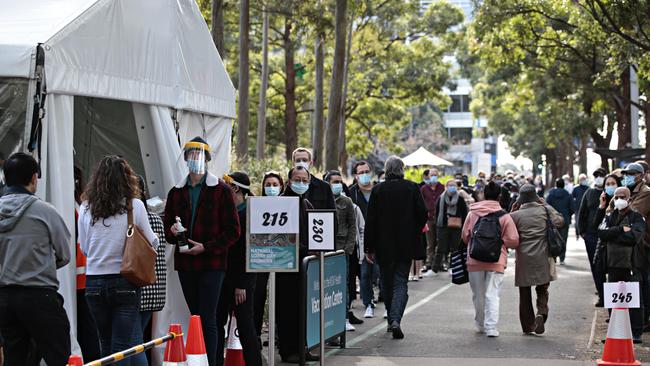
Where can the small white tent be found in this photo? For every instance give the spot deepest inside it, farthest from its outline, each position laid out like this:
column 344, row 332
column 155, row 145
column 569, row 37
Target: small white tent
column 422, row 156
column 117, row 77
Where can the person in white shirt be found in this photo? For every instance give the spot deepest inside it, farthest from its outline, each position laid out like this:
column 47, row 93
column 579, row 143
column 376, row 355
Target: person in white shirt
column 114, row 302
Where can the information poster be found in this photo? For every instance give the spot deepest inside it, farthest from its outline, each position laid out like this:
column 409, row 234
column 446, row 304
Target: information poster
column 272, row 237
column 335, row 302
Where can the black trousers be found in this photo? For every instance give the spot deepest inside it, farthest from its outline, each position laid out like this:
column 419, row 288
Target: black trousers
column 30, row 314
column 259, row 300
column 245, row 323
column 288, row 292
column 636, row 314
column 353, row 271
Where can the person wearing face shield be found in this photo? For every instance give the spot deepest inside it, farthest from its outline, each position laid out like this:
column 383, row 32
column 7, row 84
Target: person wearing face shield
column 622, row 233
column 346, row 239
column 588, row 228
column 206, row 208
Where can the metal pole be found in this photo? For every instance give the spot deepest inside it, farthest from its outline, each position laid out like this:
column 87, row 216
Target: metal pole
column 634, row 110
column 271, row 319
column 322, row 308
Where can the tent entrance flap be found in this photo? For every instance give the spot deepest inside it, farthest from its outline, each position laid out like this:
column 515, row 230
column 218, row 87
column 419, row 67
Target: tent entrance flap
column 13, row 113
column 104, row 127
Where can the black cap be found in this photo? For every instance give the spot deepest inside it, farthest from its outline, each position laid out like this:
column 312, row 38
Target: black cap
column 600, row 172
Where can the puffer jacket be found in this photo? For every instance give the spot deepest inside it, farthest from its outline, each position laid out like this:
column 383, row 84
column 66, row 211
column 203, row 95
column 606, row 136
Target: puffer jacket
column 624, row 249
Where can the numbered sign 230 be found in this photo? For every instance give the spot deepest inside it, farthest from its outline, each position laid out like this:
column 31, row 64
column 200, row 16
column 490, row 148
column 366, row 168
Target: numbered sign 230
column 321, row 230
column 274, row 215
column 621, row 295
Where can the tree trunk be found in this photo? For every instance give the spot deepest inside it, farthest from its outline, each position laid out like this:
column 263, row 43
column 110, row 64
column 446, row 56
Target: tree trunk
column 290, row 113
column 343, row 155
column 336, row 88
column 317, row 133
column 646, row 118
column 243, row 112
column 218, row 34
column 622, row 108
column 261, row 109
column 582, row 155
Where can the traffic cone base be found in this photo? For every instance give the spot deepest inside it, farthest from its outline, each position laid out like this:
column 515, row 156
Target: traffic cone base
column 619, row 350
column 75, row 360
column 197, row 360
column 175, row 349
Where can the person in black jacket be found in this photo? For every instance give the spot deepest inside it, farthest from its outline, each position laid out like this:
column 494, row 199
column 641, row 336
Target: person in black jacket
column 393, row 234
column 239, row 286
column 623, row 232
column 319, row 194
column 588, row 229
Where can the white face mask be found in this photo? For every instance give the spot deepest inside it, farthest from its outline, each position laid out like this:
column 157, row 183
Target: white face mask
column 303, row 164
column 599, row 181
column 620, row 204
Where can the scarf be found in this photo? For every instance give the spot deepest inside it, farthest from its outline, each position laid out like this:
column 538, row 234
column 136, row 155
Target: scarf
column 452, row 205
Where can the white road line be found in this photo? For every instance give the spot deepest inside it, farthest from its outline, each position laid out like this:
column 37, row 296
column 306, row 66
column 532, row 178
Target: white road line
column 382, row 325
column 592, row 334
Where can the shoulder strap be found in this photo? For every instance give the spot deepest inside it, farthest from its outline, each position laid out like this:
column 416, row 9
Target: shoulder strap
column 129, row 213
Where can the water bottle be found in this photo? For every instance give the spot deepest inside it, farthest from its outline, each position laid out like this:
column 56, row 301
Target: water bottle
column 183, row 245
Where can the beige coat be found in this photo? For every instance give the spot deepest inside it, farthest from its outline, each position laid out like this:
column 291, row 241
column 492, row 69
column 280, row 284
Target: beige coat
column 533, row 266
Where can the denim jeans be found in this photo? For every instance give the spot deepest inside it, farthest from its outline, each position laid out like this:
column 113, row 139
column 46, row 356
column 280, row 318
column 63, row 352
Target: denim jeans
column 394, row 276
column 486, row 286
column 138, row 337
column 201, row 290
column 367, row 278
column 114, row 303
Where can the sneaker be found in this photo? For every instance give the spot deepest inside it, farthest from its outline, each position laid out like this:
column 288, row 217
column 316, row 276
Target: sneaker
column 353, row 319
column 410, row 278
column 539, row 324
column 416, row 278
column 397, row 330
column 385, row 314
column 349, row 327
column 479, row 329
column 429, row 274
column 635, row 340
column 492, row 333
column 599, row 303
column 424, row 269
column 420, row 275
column 561, row 263
column 370, row 312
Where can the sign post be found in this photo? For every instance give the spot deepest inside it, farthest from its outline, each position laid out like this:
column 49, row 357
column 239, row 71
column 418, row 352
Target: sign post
column 321, row 239
column 272, row 245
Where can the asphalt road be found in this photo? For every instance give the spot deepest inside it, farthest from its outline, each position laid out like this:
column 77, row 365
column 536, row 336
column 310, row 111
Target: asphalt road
column 438, row 325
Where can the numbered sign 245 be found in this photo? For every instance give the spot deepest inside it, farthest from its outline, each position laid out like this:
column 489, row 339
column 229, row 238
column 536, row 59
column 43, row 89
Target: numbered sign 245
column 621, row 295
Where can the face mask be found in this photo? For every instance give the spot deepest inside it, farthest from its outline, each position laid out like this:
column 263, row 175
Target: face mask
column 629, row 181
column 452, row 189
column 272, row 191
column 498, row 182
column 364, row 179
column 584, row 183
column 299, row 188
column 433, row 179
column 303, row 164
column 610, row 190
column 620, row 204
column 337, row 188
column 196, row 166
column 599, row 181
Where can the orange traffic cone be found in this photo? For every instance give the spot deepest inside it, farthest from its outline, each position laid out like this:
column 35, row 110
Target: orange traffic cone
column 234, row 352
column 195, row 348
column 175, row 350
column 619, row 350
column 75, row 360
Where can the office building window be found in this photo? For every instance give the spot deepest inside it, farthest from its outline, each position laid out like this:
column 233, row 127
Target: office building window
column 460, row 136
column 459, row 103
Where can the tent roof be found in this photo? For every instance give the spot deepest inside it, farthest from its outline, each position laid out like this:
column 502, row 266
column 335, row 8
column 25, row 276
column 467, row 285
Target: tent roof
column 422, row 156
column 148, row 51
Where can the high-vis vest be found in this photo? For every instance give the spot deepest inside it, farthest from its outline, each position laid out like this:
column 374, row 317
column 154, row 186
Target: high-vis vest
column 81, row 262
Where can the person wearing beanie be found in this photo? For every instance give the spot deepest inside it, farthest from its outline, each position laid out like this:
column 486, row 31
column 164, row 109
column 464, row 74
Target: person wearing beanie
column 237, row 293
column 533, row 265
column 206, row 209
column 561, row 201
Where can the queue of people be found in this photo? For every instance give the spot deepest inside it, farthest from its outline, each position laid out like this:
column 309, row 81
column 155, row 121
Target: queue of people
column 386, row 227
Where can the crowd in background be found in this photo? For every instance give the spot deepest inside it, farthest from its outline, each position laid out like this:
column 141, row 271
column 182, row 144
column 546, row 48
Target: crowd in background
column 391, row 230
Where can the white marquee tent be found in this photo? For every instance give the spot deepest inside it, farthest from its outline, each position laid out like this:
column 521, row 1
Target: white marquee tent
column 123, row 77
column 422, row 156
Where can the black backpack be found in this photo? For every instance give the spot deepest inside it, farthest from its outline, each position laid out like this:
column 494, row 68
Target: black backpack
column 486, row 239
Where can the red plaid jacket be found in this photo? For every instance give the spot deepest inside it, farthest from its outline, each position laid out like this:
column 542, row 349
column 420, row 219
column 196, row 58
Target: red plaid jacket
column 216, row 225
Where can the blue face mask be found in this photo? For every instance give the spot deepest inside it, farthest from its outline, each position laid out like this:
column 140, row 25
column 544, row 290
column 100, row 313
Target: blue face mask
column 433, row 179
column 337, row 188
column 299, row 188
column 272, row 191
column 610, row 190
column 628, row 181
column 452, row 189
column 364, row 179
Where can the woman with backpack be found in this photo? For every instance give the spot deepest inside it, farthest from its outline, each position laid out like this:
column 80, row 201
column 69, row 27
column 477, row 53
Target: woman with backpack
column 488, row 227
column 450, row 216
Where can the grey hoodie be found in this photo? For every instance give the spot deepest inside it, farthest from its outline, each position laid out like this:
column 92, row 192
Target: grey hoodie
column 34, row 242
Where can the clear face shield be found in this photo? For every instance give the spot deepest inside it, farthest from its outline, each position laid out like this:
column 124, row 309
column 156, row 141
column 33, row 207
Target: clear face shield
column 195, row 155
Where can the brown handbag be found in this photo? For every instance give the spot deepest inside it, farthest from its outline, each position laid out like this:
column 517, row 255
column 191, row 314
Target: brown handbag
column 139, row 258
column 454, row 222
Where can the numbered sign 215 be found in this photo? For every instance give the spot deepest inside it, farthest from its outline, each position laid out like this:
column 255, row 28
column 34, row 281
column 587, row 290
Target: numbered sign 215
column 274, row 215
